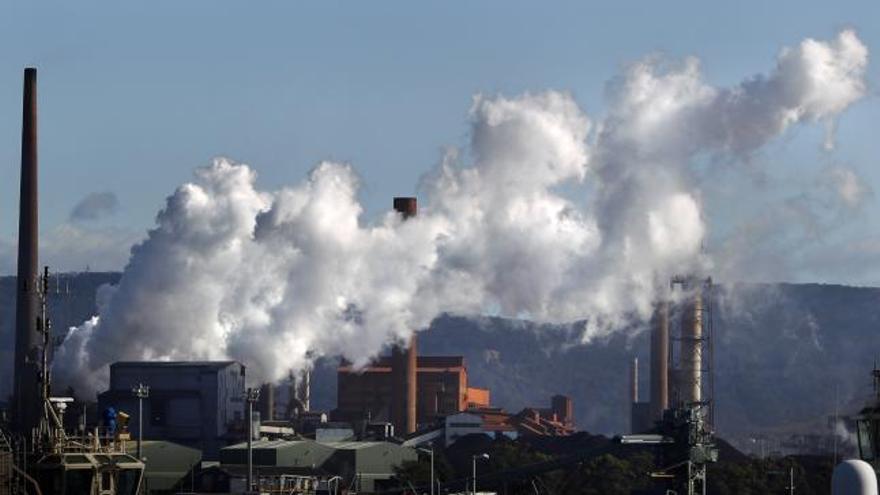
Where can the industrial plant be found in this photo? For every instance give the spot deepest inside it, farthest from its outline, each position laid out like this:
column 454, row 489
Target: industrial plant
column 405, row 422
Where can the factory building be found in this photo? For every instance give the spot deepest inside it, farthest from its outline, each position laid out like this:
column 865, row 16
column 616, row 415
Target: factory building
column 197, row 404
column 442, row 389
column 497, row 423
column 367, row 467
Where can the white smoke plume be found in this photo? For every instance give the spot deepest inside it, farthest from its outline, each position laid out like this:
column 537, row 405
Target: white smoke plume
column 274, row 279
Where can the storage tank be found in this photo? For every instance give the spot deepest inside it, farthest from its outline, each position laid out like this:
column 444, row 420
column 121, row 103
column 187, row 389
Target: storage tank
column 854, row 477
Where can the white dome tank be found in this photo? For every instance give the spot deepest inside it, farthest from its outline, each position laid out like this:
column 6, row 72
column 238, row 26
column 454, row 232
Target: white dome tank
column 854, row 477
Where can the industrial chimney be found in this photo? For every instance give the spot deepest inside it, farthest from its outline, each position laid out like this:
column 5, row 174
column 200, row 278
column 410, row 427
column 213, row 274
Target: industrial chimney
column 26, row 406
column 403, row 361
column 266, row 403
column 692, row 348
column 659, row 359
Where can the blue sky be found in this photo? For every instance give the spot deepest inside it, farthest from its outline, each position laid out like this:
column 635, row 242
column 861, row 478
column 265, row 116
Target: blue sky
column 134, row 96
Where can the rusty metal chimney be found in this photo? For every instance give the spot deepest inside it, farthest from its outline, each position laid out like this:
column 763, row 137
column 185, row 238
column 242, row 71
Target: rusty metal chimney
column 659, row 359
column 404, row 364
column 26, row 406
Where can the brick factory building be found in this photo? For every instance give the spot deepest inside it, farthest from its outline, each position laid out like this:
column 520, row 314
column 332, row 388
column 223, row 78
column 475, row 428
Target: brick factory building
column 442, row 389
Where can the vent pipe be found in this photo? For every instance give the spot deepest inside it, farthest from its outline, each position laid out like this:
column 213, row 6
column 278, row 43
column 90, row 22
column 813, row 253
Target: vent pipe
column 26, row 406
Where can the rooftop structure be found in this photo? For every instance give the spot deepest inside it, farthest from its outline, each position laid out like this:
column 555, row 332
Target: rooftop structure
column 362, row 465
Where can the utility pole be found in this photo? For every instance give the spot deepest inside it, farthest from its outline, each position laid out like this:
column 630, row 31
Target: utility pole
column 252, row 395
column 140, row 391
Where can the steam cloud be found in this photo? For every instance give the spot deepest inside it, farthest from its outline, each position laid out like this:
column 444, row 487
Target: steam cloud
column 274, row 279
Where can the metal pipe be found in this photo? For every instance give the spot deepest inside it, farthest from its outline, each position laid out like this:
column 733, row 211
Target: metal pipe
column 26, row 403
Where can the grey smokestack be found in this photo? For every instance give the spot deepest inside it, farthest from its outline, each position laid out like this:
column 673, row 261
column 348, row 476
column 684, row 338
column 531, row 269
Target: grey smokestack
column 266, row 405
column 659, row 360
column 692, row 348
column 26, row 407
column 404, row 361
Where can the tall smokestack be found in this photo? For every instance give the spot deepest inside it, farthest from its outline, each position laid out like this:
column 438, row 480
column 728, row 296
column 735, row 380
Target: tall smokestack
column 404, row 361
column 659, row 359
column 26, row 407
column 692, row 348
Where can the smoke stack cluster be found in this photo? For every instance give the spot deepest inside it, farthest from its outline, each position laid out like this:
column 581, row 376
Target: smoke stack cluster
column 403, row 360
column 26, row 407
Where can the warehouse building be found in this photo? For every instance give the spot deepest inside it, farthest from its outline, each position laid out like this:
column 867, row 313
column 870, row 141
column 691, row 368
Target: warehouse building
column 365, row 466
column 197, row 404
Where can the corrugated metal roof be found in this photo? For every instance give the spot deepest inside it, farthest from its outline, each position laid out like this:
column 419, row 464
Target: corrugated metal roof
column 356, row 445
column 269, row 444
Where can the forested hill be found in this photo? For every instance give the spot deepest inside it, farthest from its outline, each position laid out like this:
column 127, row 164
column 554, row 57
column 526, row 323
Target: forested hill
column 785, row 355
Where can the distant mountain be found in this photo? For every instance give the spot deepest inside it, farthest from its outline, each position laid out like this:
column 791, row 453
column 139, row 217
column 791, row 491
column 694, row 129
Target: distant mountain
column 786, row 356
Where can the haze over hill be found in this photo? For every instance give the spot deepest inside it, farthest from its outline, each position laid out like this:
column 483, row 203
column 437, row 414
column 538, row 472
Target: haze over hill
column 783, row 353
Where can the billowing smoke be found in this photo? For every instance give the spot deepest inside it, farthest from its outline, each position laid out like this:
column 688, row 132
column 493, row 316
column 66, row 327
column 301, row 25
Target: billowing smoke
column 547, row 215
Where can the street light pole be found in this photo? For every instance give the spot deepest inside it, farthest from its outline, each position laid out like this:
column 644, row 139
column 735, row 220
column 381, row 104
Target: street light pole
column 252, row 395
column 140, row 391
